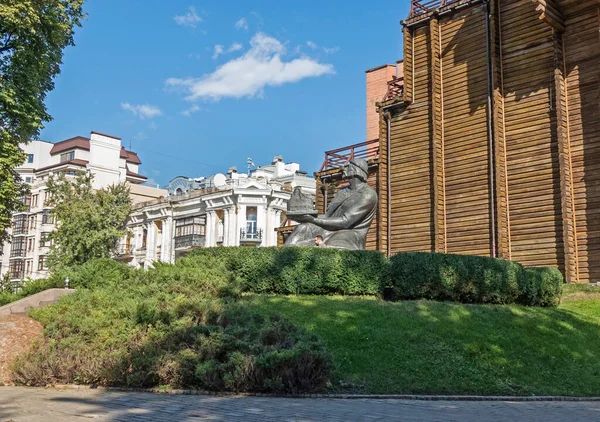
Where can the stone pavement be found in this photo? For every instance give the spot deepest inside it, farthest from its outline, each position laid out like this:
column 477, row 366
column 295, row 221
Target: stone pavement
column 18, row 404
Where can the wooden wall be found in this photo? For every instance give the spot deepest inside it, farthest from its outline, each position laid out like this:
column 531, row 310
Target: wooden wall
column 582, row 72
column 498, row 156
column 534, row 195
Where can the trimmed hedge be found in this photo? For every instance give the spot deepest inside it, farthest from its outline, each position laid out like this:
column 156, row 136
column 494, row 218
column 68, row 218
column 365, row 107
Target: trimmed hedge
column 472, row 279
column 303, row 270
column 412, row 275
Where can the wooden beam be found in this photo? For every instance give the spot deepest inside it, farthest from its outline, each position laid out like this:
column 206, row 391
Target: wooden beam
column 502, row 201
column 565, row 162
column 551, row 14
column 439, row 190
column 408, row 64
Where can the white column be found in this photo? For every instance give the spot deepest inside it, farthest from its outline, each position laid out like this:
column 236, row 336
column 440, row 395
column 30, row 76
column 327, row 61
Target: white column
column 241, row 223
column 275, row 216
column 150, row 243
column 261, row 222
column 226, row 227
column 167, row 240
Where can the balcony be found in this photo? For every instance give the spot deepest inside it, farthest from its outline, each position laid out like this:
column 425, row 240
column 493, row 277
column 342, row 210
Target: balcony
column 422, row 7
column 337, row 158
column 189, row 241
column 255, row 236
column 395, row 89
column 124, row 251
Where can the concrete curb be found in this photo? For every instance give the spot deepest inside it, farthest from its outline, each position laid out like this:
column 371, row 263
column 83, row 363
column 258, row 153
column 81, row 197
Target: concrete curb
column 331, row 396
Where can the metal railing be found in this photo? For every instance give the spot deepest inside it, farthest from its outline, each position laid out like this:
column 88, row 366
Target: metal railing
column 395, row 88
column 256, row 235
column 340, row 157
column 189, row 241
column 421, row 7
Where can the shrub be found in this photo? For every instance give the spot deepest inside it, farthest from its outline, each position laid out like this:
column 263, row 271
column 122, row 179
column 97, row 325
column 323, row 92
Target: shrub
column 540, row 286
column 467, row 279
column 303, row 270
column 175, row 324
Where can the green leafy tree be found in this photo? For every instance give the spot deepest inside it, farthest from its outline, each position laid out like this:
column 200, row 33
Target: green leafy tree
column 33, row 34
column 89, row 222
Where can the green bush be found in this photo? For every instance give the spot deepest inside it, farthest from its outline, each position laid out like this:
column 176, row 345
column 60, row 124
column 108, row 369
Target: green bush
column 177, row 325
column 303, row 270
column 460, row 278
column 540, row 286
column 472, row 279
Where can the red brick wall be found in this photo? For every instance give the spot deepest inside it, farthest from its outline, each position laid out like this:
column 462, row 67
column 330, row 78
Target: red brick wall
column 376, row 89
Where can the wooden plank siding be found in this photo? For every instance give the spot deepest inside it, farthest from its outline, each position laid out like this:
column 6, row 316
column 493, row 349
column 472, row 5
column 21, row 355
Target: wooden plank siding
column 532, row 159
column 411, row 222
column 581, row 42
column 465, row 132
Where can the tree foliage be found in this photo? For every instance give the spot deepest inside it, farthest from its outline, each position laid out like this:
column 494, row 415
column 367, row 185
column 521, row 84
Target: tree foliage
column 33, row 34
column 89, row 222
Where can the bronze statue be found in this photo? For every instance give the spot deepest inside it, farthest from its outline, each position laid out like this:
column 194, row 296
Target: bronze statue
column 348, row 217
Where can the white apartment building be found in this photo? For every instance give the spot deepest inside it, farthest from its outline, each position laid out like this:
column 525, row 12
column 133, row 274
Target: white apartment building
column 103, row 155
column 221, row 210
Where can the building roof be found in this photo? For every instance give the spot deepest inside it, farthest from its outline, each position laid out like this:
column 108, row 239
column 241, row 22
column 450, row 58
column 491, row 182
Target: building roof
column 81, row 142
column 71, row 143
column 130, row 156
column 132, row 174
column 104, row 134
column 75, row 162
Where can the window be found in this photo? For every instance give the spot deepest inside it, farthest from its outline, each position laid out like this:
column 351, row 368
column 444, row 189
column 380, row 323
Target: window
column 42, row 263
column 191, row 225
column 20, row 224
column 28, row 179
column 70, row 172
column 47, row 217
column 67, row 156
column 30, row 158
column 251, row 220
column 16, row 268
column 28, row 266
column 34, row 200
column 31, row 222
column 44, row 240
column 17, row 248
column 30, row 244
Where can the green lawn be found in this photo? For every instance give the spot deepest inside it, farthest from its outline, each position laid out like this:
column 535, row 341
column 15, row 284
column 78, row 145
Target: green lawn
column 446, row 348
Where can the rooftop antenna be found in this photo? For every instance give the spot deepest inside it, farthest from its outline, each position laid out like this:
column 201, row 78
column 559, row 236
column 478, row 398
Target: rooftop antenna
column 250, row 165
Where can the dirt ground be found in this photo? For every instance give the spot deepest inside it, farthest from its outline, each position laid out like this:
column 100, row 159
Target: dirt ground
column 16, row 334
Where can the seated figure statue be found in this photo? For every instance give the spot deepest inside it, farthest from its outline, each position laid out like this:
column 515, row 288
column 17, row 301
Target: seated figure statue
column 348, row 217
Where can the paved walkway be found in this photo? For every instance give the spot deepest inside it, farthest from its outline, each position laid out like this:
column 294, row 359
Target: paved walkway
column 19, row 404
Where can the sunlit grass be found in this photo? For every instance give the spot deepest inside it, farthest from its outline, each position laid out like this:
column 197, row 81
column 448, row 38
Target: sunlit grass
column 446, row 348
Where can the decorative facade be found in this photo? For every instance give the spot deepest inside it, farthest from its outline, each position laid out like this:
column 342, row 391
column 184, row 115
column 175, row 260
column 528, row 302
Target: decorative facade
column 25, row 256
column 221, row 210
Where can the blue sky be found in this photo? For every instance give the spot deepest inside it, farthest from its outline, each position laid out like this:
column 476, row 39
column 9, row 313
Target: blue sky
column 199, row 86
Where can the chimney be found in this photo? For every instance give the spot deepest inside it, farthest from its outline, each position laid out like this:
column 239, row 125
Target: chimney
column 377, row 79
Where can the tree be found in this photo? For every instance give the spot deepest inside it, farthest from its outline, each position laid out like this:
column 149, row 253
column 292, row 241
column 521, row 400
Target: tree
column 33, row 34
column 89, row 223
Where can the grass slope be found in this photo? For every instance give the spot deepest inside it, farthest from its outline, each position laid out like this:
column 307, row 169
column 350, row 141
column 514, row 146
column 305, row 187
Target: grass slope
column 447, row 348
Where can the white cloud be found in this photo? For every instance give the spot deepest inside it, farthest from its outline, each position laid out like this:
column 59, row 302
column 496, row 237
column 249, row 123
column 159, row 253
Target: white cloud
column 190, row 19
column 236, row 46
column 331, row 50
column 140, row 136
column 242, row 24
column 312, row 45
column 143, row 111
column 153, row 125
column 219, row 49
column 249, row 74
column 193, row 109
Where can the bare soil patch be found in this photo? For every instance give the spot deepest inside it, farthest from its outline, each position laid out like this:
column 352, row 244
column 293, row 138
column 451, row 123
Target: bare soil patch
column 17, row 332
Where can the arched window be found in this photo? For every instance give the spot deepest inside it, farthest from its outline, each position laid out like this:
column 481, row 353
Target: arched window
column 178, row 191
